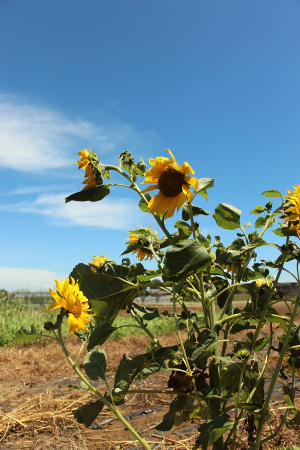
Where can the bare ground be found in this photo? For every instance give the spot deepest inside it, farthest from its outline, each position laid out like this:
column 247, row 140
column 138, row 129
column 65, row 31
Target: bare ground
column 36, row 404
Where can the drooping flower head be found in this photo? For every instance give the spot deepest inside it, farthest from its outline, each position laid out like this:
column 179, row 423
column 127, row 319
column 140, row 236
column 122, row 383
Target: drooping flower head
column 97, row 261
column 72, row 300
column 294, row 210
column 141, row 243
column 173, row 183
column 89, row 162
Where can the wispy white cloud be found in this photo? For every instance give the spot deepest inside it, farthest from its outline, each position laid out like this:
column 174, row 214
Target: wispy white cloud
column 35, row 139
column 31, row 279
column 114, row 214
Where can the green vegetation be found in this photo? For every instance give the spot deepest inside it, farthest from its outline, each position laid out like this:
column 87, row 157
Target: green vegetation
column 18, row 313
column 15, row 314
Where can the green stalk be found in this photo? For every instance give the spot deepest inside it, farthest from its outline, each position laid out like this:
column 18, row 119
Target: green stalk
column 184, row 356
column 141, row 325
column 285, row 346
column 100, row 396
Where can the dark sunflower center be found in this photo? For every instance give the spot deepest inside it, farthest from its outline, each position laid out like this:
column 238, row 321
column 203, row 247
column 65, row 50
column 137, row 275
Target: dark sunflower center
column 77, row 309
column 170, row 182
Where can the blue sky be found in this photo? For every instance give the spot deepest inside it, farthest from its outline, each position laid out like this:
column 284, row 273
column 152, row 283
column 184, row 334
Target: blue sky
column 215, row 81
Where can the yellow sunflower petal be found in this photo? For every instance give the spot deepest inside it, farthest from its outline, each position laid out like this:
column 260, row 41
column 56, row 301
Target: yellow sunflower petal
column 159, row 203
column 53, row 306
column 193, row 181
column 150, row 188
column 186, row 168
column 73, row 324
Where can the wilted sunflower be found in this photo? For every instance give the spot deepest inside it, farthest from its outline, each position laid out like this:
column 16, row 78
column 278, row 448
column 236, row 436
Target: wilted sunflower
column 86, row 164
column 144, row 252
column 97, row 261
column 294, row 199
column 70, row 298
column 173, row 183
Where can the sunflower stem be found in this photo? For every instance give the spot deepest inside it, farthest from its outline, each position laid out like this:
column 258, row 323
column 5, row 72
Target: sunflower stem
column 192, row 220
column 184, row 356
column 104, row 400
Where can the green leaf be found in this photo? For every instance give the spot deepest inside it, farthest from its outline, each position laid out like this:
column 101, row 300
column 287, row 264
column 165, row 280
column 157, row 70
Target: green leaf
column 24, row 335
column 260, row 222
column 95, row 364
column 128, row 370
column 93, row 194
column 147, row 313
column 86, row 414
column 212, row 430
column 258, row 209
column 261, row 343
column 184, row 259
column 203, row 185
column 200, row 354
column 272, row 193
column 176, row 406
column 227, row 216
column 143, row 205
column 108, row 291
column 184, row 228
column 196, row 210
column 100, row 334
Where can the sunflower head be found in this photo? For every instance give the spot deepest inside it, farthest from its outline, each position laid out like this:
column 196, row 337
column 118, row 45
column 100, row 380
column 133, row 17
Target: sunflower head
column 97, row 262
column 264, row 281
column 173, row 182
column 141, row 243
column 90, row 163
column 73, row 302
column 292, row 210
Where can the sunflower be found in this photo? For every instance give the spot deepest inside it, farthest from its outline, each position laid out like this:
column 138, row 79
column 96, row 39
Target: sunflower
column 173, row 183
column 143, row 252
column 264, row 281
column 72, row 300
column 97, row 261
column 86, row 164
column 294, row 199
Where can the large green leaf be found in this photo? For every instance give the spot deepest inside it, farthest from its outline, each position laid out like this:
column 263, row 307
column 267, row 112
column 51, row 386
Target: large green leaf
column 227, row 216
column 178, row 405
column 86, row 414
column 100, row 334
column 184, row 259
column 207, row 344
column 128, row 370
column 212, row 430
column 107, row 290
column 93, row 194
column 95, row 364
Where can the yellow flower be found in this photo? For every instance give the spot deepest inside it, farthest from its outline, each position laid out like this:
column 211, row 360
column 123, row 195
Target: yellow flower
column 97, row 261
column 264, row 281
column 294, row 199
column 85, row 164
column 70, row 298
column 236, row 267
column 142, row 253
column 173, row 183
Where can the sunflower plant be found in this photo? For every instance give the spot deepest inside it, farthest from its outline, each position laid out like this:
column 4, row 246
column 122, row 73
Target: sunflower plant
column 218, row 372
